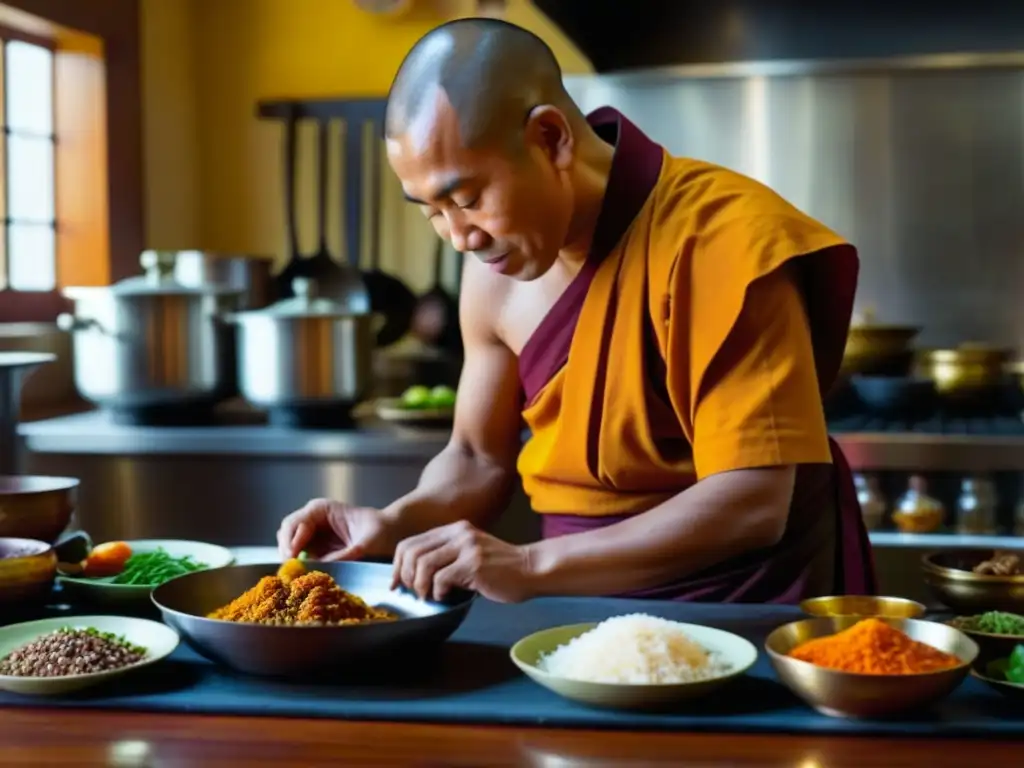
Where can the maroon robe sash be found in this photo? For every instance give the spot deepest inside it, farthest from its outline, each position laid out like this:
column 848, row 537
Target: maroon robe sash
column 779, row 575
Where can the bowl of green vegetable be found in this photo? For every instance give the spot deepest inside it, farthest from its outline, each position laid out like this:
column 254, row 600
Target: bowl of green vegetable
column 124, row 573
column 419, row 406
column 1005, row 675
column 997, row 633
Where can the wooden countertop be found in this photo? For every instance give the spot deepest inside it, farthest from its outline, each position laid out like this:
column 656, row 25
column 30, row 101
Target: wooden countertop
column 90, row 738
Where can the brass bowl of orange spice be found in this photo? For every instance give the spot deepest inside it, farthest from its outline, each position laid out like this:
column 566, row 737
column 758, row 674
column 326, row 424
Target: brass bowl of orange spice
column 844, row 666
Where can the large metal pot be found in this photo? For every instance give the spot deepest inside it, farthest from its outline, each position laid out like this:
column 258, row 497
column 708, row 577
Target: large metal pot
column 305, row 358
column 966, row 371
column 251, row 275
column 149, row 341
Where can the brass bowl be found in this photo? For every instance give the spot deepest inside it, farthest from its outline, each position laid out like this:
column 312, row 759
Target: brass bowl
column 967, row 370
column 34, row 507
column 949, row 576
column 27, row 570
column 846, row 694
column 863, row 607
column 879, row 340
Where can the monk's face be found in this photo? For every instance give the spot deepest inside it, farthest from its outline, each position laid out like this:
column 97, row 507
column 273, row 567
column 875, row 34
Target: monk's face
column 508, row 202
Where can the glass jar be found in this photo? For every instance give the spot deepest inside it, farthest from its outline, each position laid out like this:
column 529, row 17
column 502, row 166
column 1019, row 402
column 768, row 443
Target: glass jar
column 872, row 502
column 977, row 506
column 916, row 511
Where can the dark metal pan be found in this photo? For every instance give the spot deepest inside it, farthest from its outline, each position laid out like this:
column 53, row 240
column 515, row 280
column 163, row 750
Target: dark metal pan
column 262, row 649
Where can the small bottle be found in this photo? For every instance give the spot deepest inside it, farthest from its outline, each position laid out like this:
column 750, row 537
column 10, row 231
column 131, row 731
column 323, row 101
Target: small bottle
column 976, row 507
column 872, row 502
column 916, row 511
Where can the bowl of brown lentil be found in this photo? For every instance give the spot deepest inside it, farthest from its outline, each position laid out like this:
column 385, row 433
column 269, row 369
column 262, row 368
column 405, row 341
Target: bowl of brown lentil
column 58, row 656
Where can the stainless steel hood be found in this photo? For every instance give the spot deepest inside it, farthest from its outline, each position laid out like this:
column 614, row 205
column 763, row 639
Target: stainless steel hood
column 617, row 35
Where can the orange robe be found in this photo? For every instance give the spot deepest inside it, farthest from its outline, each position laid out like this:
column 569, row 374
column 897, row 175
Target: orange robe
column 697, row 339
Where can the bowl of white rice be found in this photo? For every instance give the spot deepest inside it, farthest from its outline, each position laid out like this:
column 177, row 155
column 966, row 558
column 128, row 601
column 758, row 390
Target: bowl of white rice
column 633, row 661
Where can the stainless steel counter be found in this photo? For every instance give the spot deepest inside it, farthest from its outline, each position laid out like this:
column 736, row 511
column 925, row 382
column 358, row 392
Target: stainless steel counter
column 95, row 433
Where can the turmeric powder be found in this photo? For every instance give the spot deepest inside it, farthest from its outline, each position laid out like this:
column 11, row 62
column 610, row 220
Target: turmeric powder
column 297, row 598
column 872, row 647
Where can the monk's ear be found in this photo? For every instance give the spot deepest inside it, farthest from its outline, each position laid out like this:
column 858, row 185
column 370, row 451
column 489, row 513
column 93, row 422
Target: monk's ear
column 547, row 128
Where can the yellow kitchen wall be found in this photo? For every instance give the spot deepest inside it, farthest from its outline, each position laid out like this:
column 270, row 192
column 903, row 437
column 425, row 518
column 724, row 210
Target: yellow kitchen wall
column 214, row 170
column 170, row 125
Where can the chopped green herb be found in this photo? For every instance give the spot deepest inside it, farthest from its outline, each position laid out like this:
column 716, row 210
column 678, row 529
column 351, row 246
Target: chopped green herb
column 992, row 623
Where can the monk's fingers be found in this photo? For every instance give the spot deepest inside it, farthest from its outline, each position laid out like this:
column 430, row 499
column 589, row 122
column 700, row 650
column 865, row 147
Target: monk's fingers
column 428, row 564
column 406, row 552
column 288, row 534
column 458, row 573
column 415, row 548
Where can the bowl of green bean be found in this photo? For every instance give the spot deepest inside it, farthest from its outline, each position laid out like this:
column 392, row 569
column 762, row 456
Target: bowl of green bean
column 124, row 573
column 997, row 633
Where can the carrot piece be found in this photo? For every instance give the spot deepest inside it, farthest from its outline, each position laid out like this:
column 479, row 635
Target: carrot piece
column 107, row 559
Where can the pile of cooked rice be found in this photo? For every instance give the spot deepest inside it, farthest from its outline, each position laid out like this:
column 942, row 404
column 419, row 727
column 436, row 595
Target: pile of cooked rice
column 635, row 649
column 295, row 597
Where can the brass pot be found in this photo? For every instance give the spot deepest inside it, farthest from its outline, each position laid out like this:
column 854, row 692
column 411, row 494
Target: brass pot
column 878, row 350
column 27, row 571
column 967, row 370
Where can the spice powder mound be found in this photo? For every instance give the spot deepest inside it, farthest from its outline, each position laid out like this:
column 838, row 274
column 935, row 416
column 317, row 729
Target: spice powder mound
column 872, row 647
column 311, row 599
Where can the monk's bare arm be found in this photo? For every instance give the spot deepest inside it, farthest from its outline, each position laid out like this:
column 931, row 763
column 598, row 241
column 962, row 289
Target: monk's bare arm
column 473, row 477
column 680, row 537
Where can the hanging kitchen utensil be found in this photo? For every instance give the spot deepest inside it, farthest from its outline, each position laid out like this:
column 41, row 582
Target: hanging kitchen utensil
column 296, row 265
column 339, row 281
column 389, row 296
column 436, row 319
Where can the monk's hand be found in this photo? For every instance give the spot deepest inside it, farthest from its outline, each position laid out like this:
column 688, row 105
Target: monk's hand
column 330, row 530
column 461, row 555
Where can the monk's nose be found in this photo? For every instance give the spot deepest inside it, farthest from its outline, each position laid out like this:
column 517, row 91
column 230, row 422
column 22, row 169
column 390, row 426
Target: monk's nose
column 465, row 237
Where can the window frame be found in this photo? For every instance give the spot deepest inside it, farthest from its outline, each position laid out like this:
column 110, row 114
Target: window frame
column 112, row 252
column 25, row 303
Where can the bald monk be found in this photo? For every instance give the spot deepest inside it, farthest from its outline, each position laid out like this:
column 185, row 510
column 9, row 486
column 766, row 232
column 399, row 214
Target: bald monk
column 665, row 328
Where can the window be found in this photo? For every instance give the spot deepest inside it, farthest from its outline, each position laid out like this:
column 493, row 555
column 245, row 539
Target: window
column 29, row 241
column 71, row 175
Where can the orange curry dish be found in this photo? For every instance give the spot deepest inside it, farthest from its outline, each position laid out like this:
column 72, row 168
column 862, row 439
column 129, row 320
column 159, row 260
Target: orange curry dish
column 297, row 597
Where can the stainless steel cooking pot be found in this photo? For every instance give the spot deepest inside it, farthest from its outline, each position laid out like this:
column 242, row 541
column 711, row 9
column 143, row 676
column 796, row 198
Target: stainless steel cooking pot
column 249, row 274
column 305, row 352
column 150, row 341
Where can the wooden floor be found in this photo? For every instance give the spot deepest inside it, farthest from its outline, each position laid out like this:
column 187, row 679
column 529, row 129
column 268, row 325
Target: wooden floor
column 90, row 738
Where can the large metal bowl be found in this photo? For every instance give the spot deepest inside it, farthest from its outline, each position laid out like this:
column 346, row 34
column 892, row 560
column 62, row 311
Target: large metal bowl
column 950, row 577
column 262, row 649
column 846, row 694
column 36, row 507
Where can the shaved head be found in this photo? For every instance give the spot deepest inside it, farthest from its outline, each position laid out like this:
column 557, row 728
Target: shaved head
column 486, row 141
column 491, row 74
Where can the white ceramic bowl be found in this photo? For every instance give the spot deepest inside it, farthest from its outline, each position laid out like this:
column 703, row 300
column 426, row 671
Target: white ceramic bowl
column 158, row 639
column 738, row 653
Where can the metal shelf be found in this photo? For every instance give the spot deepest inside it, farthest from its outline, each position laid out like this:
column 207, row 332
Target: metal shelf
column 896, row 540
column 933, row 453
